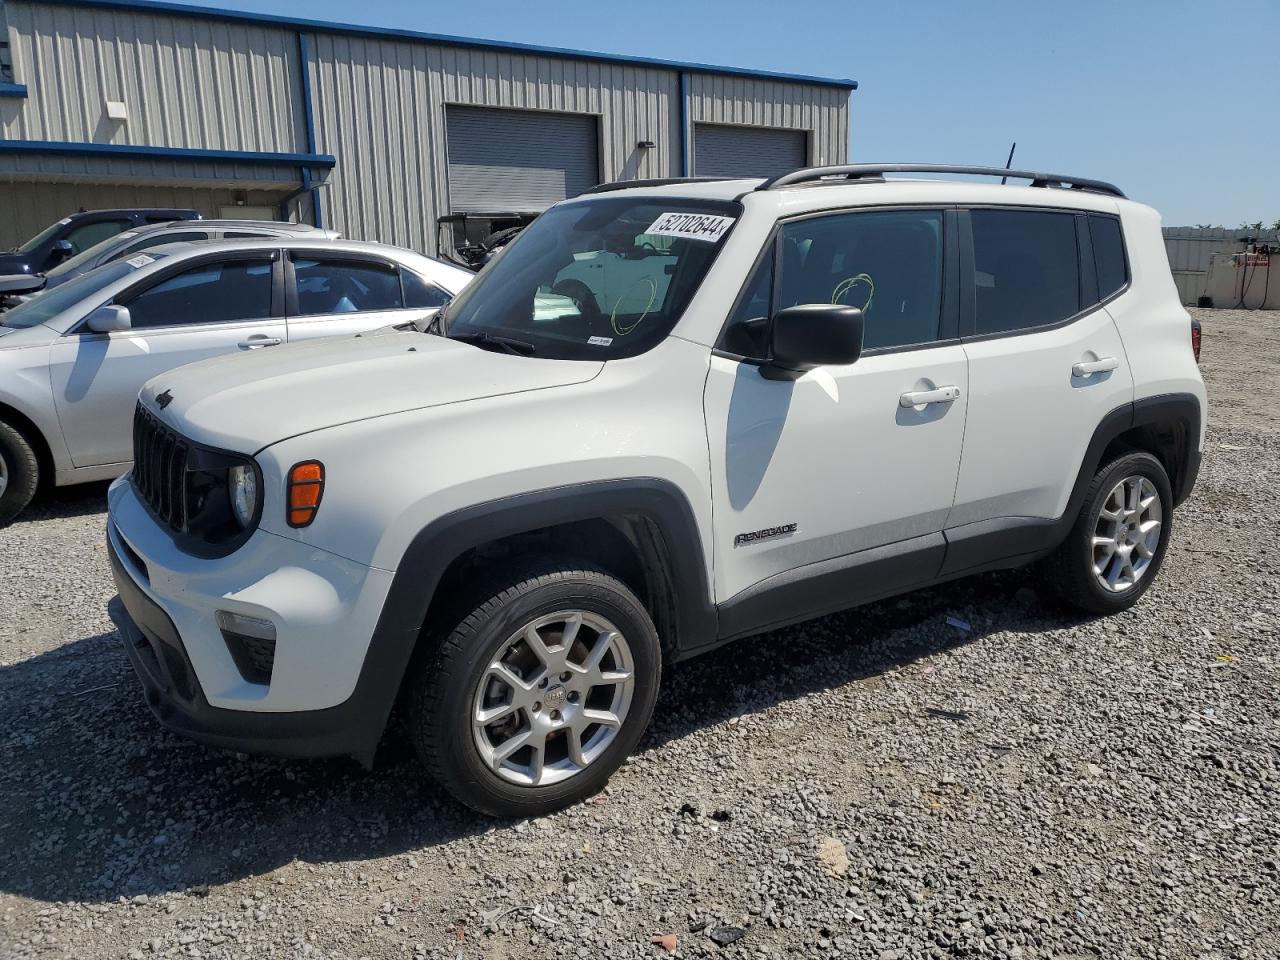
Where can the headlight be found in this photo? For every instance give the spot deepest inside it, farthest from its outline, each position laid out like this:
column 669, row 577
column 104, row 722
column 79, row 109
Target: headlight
column 242, row 482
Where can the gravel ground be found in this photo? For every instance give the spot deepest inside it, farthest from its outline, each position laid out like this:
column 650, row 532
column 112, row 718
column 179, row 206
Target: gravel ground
column 877, row 784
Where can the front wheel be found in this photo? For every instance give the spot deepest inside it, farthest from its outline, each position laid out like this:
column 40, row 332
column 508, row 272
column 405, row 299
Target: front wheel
column 1117, row 544
column 19, row 473
column 540, row 693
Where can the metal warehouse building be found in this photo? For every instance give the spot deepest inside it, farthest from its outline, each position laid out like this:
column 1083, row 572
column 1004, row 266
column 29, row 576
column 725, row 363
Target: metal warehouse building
column 374, row 132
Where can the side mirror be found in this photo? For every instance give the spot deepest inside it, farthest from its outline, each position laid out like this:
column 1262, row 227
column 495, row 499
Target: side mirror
column 109, row 319
column 815, row 335
column 63, row 249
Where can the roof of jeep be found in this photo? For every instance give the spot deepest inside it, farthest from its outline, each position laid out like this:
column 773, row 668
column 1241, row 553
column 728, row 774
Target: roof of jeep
column 824, row 194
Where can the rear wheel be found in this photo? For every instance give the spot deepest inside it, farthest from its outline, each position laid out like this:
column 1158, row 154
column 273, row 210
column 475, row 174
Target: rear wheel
column 1117, row 544
column 19, row 473
column 540, row 693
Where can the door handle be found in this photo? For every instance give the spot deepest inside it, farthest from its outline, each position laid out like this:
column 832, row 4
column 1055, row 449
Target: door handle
column 1086, row 367
column 918, row 398
column 253, row 343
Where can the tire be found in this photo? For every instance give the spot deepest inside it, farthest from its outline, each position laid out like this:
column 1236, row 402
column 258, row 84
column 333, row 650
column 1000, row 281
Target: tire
column 1072, row 571
column 19, row 473
column 532, row 698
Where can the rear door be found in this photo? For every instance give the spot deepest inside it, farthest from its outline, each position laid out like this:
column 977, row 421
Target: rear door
column 332, row 293
column 222, row 304
column 1046, row 363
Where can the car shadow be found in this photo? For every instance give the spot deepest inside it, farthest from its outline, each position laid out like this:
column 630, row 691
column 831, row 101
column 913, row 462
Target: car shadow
column 100, row 802
column 55, row 503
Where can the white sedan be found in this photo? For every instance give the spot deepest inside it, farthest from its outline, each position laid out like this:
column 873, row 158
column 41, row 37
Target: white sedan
column 72, row 359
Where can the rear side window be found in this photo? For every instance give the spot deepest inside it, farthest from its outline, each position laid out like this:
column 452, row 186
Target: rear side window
column 419, row 292
column 209, row 293
column 1026, row 269
column 1108, row 254
column 346, row 286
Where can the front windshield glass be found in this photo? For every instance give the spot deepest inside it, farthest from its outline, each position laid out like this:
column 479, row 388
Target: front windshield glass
column 41, row 237
column 596, row 280
column 47, row 305
column 73, row 265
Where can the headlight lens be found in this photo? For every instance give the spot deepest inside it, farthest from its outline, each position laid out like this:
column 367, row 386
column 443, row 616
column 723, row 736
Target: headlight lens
column 243, row 483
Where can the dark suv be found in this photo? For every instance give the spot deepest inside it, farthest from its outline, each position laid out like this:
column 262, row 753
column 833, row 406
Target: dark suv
column 79, row 232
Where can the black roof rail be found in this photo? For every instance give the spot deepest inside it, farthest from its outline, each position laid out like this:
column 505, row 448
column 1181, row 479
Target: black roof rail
column 875, row 171
column 660, row 182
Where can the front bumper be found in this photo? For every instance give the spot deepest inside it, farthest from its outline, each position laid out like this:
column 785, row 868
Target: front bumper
column 172, row 691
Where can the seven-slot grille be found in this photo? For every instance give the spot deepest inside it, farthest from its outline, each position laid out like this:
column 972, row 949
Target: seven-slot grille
column 160, row 468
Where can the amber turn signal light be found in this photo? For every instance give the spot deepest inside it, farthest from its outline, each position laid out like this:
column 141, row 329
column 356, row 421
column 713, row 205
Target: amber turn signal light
column 306, row 487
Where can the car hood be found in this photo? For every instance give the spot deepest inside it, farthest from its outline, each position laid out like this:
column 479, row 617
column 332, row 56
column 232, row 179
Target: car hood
column 248, row 401
column 14, row 263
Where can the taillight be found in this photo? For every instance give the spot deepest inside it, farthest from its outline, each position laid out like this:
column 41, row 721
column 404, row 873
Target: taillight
column 305, row 488
column 1195, row 338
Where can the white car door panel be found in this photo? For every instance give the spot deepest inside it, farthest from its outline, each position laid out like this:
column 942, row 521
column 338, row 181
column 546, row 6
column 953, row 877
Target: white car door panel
column 836, row 453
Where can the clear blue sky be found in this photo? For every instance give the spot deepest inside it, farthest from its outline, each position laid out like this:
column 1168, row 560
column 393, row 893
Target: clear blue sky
column 1178, row 102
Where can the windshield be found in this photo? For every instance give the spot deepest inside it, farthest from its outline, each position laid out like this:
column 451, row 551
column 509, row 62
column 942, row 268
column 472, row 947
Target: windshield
column 41, row 237
column 73, row 265
column 47, row 305
column 595, row 280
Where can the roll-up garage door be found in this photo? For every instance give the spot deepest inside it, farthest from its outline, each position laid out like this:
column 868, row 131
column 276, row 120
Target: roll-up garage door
column 518, row 160
column 725, row 151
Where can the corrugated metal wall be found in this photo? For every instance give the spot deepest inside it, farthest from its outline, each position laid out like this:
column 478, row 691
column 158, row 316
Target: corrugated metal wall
column 380, row 111
column 715, row 98
column 1191, row 248
column 186, row 81
column 30, row 207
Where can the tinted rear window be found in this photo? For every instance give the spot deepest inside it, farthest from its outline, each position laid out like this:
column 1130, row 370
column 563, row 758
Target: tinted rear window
column 1026, row 269
column 1108, row 254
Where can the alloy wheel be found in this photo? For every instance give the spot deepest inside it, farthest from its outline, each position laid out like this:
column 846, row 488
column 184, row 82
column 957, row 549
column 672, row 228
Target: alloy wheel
column 1127, row 534
column 553, row 698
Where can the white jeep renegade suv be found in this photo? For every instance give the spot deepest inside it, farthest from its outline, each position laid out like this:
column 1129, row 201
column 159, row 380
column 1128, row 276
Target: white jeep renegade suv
column 784, row 398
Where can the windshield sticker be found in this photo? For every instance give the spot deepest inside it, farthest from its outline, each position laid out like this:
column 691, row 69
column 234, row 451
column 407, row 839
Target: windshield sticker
column 690, row 226
column 140, row 261
column 64, row 221
column 600, row 341
column 127, row 235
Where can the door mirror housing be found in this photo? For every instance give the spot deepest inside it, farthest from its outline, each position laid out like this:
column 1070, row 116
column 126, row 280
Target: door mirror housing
column 815, row 335
column 110, row 318
column 63, row 249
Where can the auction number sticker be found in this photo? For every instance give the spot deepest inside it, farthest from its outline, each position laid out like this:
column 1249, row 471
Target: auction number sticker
column 140, row 261
column 690, row 226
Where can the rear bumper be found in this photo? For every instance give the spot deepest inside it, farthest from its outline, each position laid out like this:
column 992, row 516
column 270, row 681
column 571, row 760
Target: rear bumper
column 172, row 691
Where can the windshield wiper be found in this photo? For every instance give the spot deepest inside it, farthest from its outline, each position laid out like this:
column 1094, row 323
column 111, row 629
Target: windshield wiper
column 519, row 348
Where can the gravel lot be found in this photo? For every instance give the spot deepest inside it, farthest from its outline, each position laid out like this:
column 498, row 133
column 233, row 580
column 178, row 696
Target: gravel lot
column 877, row 784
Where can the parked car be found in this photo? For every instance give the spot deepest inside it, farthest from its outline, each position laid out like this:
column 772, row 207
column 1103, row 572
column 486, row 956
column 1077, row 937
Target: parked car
column 145, row 237
column 824, row 389
column 72, row 359
column 77, row 233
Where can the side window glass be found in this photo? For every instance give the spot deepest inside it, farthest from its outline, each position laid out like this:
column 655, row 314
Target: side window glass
column 242, row 235
column 419, row 292
column 82, row 238
column 887, row 263
column 747, row 333
column 210, row 293
column 345, row 286
column 1108, row 254
column 156, row 241
column 1026, row 269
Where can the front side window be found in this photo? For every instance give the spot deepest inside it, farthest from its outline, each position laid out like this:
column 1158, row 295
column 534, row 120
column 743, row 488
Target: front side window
column 1026, row 269
column 598, row 279
column 346, row 286
column 82, row 238
column 209, row 293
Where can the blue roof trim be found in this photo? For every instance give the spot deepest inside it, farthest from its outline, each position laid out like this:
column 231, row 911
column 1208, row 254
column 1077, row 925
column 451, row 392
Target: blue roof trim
column 13, row 89
column 319, row 26
column 131, row 152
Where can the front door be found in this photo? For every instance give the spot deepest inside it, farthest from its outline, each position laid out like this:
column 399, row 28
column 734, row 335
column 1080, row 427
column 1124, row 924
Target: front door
column 201, row 311
column 819, row 469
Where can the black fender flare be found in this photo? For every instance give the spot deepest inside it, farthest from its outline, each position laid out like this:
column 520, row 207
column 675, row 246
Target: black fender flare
column 446, row 538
